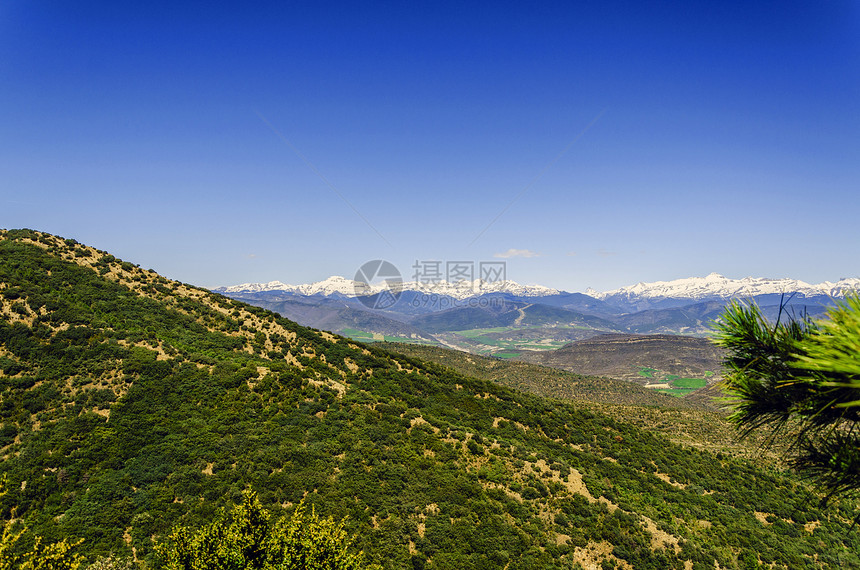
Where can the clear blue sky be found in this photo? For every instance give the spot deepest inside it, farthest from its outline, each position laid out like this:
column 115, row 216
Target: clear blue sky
column 727, row 136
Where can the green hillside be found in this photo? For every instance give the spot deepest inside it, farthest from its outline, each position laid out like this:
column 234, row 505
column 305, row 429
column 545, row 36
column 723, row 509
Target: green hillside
column 690, row 421
column 132, row 403
column 542, row 380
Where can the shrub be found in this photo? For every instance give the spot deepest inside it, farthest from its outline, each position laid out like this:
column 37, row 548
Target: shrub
column 247, row 539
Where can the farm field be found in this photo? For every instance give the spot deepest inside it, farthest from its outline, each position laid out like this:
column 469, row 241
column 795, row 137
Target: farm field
column 365, row 336
column 506, row 342
column 675, row 385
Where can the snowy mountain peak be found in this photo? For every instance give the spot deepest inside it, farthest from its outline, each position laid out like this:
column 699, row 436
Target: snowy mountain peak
column 712, row 286
column 255, row 287
column 349, row 288
column 719, row 286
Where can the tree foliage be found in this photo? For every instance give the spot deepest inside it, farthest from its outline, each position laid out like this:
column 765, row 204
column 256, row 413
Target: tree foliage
column 801, row 379
column 39, row 556
column 247, row 539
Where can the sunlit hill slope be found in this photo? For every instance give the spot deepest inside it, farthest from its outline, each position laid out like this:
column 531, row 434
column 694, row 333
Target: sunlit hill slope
column 131, row 403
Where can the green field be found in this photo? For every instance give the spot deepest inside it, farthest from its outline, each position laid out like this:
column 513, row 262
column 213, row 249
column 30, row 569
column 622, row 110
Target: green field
column 508, row 345
column 680, row 387
column 474, row 333
column 504, row 348
column 409, row 340
column 694, row 383
column 357, row 334
column 506, row 354
column 365, row 336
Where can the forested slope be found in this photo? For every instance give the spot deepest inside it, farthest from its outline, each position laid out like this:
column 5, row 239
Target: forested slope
column 131, row 403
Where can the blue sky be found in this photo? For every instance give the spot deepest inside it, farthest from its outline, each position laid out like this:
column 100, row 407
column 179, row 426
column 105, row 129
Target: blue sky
column 235, row 143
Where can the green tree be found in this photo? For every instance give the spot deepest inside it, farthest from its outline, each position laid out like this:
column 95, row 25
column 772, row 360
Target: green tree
column 247, row 539
column 801, row 380
column 56, row 556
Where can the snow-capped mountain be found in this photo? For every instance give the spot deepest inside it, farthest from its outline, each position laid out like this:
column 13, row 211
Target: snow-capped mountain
column 719, row 286
column 467, row 289
column 713, row 286
column 256, row 287
column 331, row 286
column 685, row 306
column 337, row 285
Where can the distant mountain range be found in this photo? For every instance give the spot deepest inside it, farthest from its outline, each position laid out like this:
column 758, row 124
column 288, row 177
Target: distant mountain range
column 341, row 286
column 713, row 286
column 716, row 286
column 439, row 313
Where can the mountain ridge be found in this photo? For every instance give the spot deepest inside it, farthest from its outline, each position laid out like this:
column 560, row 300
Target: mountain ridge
column 337, row 285
column 682, row 306
column 716, row 285
column 712, row 285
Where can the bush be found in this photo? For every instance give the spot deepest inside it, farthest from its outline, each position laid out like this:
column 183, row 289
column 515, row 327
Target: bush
column 56, row 556
column 246, row 539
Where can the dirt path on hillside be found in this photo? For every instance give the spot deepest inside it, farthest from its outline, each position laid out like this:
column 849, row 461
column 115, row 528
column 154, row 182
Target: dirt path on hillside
column 522, row 312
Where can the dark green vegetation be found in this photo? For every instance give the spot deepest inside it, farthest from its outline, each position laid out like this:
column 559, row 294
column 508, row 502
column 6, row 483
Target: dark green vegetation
column 801, row 380
column 247, row 538
column 37, row 555
column 131, row 403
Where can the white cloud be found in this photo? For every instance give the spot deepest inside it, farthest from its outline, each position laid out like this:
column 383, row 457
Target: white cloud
column 602, row 252
column 516, row 253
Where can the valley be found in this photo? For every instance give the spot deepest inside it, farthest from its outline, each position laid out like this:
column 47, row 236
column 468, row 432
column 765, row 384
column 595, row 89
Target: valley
column 507, row 318
column 654, row 335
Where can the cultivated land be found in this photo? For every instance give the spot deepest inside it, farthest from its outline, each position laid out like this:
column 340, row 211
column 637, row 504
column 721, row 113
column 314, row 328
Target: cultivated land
column 677, row 365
